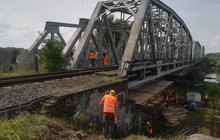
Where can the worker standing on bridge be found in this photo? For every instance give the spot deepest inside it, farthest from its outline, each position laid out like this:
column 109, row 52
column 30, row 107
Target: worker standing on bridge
column 92, row 58
column 105, row 59
column 109, row 102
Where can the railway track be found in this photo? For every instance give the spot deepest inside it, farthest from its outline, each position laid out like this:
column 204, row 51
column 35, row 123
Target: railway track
column 7, row 81
column 36, row 81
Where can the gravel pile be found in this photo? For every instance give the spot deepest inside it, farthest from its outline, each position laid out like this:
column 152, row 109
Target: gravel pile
column 22, row 93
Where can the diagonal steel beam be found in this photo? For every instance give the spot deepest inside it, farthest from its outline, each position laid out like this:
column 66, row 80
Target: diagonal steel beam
column 70, row 44
column 133, row 38
column 35, row 45
column 111, row 39
column 61, row 38
column 87, row 34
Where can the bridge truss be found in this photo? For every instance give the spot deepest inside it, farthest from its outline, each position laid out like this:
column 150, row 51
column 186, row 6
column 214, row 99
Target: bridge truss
column 146, row 38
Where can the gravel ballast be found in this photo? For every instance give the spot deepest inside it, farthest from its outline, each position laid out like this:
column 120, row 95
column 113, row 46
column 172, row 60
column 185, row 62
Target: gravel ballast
column 23, row 93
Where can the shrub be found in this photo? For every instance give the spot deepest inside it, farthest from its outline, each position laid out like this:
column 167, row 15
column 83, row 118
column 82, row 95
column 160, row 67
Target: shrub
column 78, row 119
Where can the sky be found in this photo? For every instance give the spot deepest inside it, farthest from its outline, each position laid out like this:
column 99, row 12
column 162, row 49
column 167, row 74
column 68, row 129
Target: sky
column 22, row 20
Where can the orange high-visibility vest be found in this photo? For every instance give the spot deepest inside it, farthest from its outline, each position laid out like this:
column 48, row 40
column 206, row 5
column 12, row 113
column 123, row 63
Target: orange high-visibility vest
column 109, row 104
column 105, row 59
column 91, row 55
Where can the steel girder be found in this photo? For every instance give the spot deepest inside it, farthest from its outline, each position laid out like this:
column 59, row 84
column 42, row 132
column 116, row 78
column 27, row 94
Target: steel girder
column 103, row 34
column 158, row 45
column 50, row 28
column 145, row 37
column 198, row 51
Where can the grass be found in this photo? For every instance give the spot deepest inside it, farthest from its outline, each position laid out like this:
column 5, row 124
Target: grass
column 24, row 126
column 16, row 73
column 103, row 79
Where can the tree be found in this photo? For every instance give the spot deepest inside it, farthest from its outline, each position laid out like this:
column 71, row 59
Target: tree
column 51, row 55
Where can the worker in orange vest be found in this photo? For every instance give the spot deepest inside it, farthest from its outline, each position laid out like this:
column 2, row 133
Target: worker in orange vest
column 149, row 129
column 177, row 98
column 109, row 102
column 206, row 97
column 105, row 59
column 92, row 58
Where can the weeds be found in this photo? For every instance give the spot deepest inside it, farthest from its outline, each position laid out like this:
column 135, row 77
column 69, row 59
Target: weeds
column 16, row 73
column 24, row 126
column 77, row 120
column 103, row 79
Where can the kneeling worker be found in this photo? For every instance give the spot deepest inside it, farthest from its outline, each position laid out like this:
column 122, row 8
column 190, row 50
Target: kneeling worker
column 109, row 102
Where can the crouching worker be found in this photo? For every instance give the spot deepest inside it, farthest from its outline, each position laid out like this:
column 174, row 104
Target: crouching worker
column 149, row 129
column 109, row 102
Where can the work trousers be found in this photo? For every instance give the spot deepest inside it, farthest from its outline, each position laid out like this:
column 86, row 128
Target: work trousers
column 92, row 62
column 108, row 125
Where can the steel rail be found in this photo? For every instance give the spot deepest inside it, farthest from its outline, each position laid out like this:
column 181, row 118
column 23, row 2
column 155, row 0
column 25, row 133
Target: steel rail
column 6, row 81
column 8, row 112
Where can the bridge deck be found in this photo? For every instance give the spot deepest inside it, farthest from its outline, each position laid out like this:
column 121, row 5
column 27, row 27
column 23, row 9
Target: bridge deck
column 148, row 92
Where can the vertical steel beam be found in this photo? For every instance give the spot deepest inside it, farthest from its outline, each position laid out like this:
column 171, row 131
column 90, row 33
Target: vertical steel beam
column 100, row 45
column 133, row 38
column 87, row 34
column 111, row 39
column 152, row 37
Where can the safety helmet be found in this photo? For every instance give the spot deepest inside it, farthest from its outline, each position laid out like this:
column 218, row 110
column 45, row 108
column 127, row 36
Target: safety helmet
column 148, row 122
column 112, row 91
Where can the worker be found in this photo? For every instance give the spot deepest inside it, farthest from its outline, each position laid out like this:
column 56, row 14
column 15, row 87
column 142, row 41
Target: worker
column 109, row 102
column 149, row 129
column 92, row 58
column 167, row 98
column 105, row 59
column 170, row 96
column 206, row 98
column 177, row 98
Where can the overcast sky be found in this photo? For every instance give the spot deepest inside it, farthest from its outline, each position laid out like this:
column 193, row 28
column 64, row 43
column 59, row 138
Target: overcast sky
column 21, row 20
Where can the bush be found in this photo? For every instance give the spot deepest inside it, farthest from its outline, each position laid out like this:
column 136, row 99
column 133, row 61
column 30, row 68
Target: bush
column 51, row 56
column 78, row 119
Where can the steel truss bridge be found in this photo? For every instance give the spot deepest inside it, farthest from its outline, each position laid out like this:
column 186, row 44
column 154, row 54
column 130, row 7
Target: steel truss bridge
column 146, row 38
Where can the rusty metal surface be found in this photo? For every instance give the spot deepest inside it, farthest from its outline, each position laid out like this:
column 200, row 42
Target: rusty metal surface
column 149, row 92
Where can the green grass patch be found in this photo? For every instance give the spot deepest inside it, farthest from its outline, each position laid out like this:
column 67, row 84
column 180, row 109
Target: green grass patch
column 103, row 79
column 194, row 117
column 16, row 73
column 24, row 126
